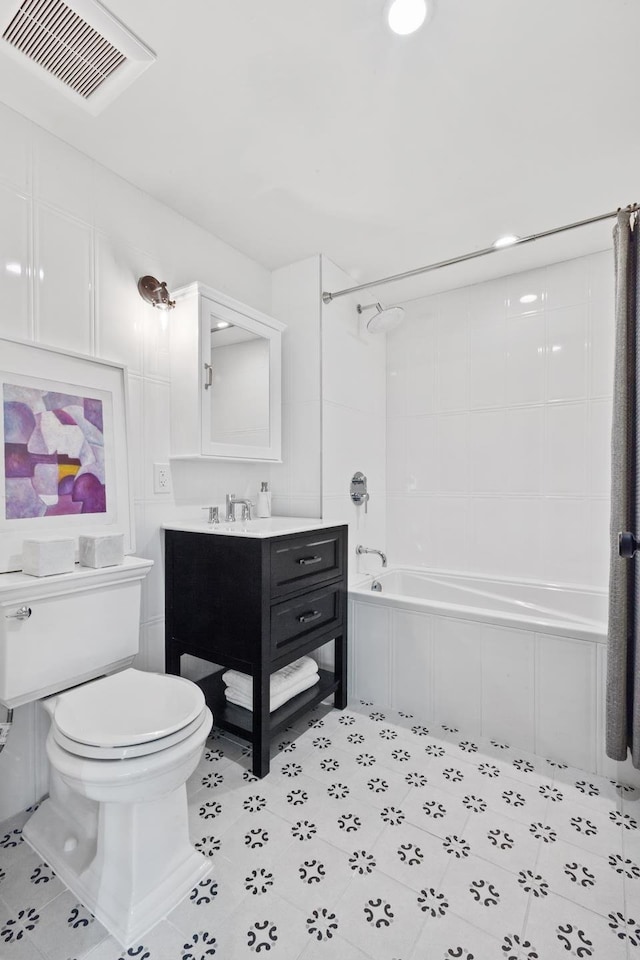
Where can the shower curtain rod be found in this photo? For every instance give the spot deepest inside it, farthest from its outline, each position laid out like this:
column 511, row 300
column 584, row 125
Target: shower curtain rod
column 328, row 297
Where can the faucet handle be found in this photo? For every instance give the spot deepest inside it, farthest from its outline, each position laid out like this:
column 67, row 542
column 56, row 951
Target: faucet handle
column 214, row 516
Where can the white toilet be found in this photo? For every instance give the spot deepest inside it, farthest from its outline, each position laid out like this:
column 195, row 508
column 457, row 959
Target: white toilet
column 120, row 747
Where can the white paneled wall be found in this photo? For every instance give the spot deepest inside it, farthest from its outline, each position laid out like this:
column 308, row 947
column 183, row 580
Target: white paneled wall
column 74, row 238
column 498, row 426
column 353, row 420
column 296, row 301
column 538, row 692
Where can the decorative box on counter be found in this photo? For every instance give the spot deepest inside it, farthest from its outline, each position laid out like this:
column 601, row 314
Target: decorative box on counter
column 45, row 556
column 101, row 550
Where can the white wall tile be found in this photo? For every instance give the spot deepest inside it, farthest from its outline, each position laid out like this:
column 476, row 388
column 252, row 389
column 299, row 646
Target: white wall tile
column 452, row 374
column 508, row 701
column 64, row 282
column 567, row 342
column 411, row 525
column 538, row 440
column 457, row 673
column 521, row 288
column 352, row 441
column 452, row 453
column 566, row 449
column 305, row 468
column 15, row 264
column 412, row 664
column 599, row 448
column 488, row 451
column 598, row 545
column 486, row 548
column 398, row 429
column 567, row 283
column 566, row 700
column 524, row 434
column 397, row 389
column 522, row 537
column 601, row 275
column 422, row 475
column 565, row 553
column 450, row 532
column 487, row 360
column 602, row 343
column 525, row 358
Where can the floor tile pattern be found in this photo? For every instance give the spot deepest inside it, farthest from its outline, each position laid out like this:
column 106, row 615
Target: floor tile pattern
column 374, row 837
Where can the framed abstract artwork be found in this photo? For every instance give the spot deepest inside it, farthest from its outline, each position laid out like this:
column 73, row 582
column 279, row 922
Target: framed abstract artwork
column 64, row 463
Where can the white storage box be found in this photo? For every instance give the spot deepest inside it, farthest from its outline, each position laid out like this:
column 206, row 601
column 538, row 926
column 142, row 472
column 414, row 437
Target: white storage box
column 102, row 550
column 48, row 555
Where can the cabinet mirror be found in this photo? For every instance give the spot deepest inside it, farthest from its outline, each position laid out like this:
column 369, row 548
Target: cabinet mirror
column 225, row 378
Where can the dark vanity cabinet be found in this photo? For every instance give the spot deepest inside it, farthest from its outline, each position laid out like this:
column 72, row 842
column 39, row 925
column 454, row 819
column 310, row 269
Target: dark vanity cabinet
column 255, row 605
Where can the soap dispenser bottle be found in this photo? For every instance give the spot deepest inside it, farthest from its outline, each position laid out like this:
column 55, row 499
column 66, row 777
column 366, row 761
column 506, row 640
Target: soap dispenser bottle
column 263, row 506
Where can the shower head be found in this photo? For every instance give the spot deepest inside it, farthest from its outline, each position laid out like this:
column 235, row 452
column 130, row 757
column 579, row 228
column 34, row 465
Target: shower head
column 384, row 319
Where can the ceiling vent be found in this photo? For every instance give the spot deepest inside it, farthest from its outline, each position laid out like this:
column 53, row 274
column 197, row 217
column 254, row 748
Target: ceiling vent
column 79, row 46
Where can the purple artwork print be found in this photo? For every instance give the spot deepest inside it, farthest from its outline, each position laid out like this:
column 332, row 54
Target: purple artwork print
column 53, row 453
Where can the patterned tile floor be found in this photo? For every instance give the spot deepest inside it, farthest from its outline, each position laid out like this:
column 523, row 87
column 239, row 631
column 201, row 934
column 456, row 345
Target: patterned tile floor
column 373, row 837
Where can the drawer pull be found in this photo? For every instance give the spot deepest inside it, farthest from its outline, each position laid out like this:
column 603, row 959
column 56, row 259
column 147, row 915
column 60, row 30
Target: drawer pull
column 309, row 617
column 307, row 561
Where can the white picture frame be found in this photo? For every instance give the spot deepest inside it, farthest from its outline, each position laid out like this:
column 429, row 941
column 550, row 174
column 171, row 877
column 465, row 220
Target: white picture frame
column 39, row 368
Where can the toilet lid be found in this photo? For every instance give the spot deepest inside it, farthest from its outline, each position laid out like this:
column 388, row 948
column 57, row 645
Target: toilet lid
column 131, row 707
column 130, row 750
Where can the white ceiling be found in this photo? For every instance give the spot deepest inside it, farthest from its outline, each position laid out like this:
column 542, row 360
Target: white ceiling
column 292, row 127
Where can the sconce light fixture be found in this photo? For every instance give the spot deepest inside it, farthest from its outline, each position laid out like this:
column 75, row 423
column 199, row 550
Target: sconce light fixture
column 155, row 292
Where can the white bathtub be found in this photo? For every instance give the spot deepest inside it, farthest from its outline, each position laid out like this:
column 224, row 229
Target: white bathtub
column 521, row 663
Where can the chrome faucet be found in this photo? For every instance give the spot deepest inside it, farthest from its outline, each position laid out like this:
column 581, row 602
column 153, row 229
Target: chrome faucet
column 231, row 505
column 360, row 550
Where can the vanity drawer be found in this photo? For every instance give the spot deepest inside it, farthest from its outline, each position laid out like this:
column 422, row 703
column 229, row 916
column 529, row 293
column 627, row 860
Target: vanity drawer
column 298, row 562
column 294, row 620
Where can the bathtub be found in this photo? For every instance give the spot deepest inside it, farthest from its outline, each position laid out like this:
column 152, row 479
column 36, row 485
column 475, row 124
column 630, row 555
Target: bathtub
column 521, row 663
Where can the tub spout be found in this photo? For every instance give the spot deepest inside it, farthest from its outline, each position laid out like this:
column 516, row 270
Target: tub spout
column 360, row 550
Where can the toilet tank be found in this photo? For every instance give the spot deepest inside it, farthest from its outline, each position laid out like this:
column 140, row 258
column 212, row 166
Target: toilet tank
column 81, row 625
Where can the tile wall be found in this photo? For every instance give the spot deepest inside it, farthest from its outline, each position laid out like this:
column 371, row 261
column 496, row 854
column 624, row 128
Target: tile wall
column 353, row 420
column 498, row 420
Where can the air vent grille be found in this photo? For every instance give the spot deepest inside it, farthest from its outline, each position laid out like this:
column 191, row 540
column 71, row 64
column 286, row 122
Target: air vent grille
column 54, row 36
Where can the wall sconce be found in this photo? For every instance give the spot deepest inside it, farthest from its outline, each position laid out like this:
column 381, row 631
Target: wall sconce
column 155, row 293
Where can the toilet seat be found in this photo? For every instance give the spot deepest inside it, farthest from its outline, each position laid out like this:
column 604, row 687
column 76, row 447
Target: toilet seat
column 127, row 714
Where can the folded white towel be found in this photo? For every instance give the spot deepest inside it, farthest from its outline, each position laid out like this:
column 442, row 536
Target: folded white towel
column 233, row 695
column 281, row 680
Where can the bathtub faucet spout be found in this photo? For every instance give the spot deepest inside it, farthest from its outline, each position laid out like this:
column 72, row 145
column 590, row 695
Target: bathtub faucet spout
column 360, row 550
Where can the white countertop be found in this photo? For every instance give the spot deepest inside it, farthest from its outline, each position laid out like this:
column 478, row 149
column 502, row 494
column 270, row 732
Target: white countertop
column 257, row 529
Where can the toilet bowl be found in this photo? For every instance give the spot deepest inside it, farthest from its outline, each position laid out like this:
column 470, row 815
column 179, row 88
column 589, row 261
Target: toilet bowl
column 114, row 827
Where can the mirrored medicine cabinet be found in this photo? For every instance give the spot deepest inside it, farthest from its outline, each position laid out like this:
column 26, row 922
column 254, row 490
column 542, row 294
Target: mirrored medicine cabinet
column 226, row 371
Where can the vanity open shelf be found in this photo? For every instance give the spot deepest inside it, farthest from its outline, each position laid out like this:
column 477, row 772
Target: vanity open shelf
column 255, row 599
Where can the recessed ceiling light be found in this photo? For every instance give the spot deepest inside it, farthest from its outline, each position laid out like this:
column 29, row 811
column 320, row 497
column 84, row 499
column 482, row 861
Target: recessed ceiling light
column 221, row 324
column 506, row 241
column 529, row 298
column 406, row 16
